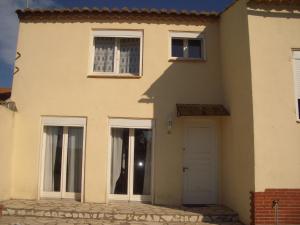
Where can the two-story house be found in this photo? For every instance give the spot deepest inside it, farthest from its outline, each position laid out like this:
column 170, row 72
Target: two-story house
column 163, row 106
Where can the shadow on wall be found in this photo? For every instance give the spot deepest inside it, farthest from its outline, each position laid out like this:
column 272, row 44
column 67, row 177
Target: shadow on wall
column 187, row 82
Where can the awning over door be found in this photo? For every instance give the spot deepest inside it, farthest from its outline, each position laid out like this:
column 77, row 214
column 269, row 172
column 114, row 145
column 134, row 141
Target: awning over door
column 201, row 110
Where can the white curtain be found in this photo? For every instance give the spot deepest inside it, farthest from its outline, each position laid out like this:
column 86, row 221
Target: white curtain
column 51, row 149
column 117, row 144
column 74, row 159
column 147, row 174
column 104, row 54
column 129, row 55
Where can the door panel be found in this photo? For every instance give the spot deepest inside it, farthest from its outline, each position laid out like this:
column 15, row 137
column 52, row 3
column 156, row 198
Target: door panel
column 74, row 159
column 142, row 161
column 131, row 158
column 62, row 163
column 53, row 158
column 119, row 161
column 200, row 166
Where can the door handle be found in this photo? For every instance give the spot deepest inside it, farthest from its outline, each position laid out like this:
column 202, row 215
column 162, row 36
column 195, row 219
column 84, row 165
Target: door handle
column 184, row 169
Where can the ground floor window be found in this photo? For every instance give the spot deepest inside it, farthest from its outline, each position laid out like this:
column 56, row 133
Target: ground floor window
column 62, row 159
column 131, row 162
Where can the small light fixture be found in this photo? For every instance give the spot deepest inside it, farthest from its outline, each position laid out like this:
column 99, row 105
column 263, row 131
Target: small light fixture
column 141, row 164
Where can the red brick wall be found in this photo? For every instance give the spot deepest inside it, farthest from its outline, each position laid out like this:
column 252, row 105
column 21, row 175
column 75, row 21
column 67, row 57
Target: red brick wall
column 262, row 211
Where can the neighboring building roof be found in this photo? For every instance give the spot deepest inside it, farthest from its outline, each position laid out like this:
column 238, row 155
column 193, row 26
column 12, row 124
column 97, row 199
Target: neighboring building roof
column 201, row 110
column 42, row 13
column 5, row 93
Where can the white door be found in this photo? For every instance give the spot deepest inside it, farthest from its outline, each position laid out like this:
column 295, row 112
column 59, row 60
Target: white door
column 130, row 168
column 62, row 162
column 199, row 166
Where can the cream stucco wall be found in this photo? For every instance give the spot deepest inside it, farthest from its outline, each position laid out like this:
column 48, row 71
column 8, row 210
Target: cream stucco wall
column 6, row 145
column 237, row 130
column 53, row 81
column 274, row 32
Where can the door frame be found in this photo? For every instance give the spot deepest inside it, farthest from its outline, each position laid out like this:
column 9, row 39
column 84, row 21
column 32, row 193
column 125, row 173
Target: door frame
column 64, row 122
column 198, row 123
column 130, row 124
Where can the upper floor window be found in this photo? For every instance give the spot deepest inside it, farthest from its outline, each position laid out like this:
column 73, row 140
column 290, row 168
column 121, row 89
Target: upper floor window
column 117, row 52
column 296, row 64
column 187, row 45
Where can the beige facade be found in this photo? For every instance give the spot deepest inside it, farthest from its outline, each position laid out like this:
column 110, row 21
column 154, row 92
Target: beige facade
column 237, row 130
column 66, row 90
column 248, row 69
column 6, row 145
column 274, row 34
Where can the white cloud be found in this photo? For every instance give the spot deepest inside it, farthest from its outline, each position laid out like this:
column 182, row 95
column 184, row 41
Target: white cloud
column 9, row 25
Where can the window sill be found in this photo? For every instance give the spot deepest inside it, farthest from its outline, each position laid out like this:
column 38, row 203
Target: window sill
column 118, row 76
column 186, row 60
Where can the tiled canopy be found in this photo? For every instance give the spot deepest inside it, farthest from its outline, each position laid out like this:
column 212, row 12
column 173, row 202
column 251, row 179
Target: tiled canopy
column 201, row 110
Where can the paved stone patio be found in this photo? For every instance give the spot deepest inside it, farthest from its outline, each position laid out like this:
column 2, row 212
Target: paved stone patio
column 25, row 212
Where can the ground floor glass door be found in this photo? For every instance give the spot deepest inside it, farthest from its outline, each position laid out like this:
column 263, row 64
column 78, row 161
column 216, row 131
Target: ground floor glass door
column 62, row 162
column 131, row 157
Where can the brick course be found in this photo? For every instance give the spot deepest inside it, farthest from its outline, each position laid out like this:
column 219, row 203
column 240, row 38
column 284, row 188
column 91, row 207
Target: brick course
column 263, row 213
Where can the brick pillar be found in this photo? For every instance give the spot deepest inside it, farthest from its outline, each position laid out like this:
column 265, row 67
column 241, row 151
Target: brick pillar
column 262, row 212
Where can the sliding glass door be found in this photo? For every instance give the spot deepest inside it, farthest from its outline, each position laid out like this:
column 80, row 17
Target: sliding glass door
column 62, row 162
column 131, row 157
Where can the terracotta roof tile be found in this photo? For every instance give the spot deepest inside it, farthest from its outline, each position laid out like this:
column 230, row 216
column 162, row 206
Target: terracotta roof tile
column 125, row 10
column 201, row 110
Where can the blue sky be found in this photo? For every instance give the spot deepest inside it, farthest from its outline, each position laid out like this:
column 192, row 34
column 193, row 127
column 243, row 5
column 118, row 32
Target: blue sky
column 9, row 20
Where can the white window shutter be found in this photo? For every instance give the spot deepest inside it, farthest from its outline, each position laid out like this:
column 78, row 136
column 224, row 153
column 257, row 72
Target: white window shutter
column 296, row 62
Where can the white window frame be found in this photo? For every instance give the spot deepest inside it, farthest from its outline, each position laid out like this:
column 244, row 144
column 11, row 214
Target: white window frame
column 117, row 34
column 185, row 36
column 296, row 57
column 131, row 124
column 64, row 122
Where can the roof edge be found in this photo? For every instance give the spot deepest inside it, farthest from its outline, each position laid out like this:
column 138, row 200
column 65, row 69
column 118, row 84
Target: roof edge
column 44, row 13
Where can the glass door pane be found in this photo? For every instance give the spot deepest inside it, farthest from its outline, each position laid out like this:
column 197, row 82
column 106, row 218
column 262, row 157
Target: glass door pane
column 74, row 159
column 53, row 159
column 119, row 161
column 142, row 162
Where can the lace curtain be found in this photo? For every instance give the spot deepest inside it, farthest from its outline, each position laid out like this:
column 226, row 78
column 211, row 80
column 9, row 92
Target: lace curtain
column 104, row 54
column 129, row 55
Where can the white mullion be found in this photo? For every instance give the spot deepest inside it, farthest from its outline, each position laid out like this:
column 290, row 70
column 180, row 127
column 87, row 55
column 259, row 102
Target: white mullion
column 83, row 165
column 185, row 48
column 64, row 162
column 44, row 136
column 141, row 56
column 131, row 162
column 117, row 56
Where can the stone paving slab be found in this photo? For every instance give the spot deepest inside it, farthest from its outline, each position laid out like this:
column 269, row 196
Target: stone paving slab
column 118, row 212
column 17, row 220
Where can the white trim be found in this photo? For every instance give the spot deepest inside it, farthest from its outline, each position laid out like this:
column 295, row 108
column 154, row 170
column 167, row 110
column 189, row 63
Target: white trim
column 131, row 123
column 178, row 34
column 185, row 36
column 64, row 122
column 296, row 58
column 130, row 163
column 117, row 34
column 63, row 171
column 296, row 54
